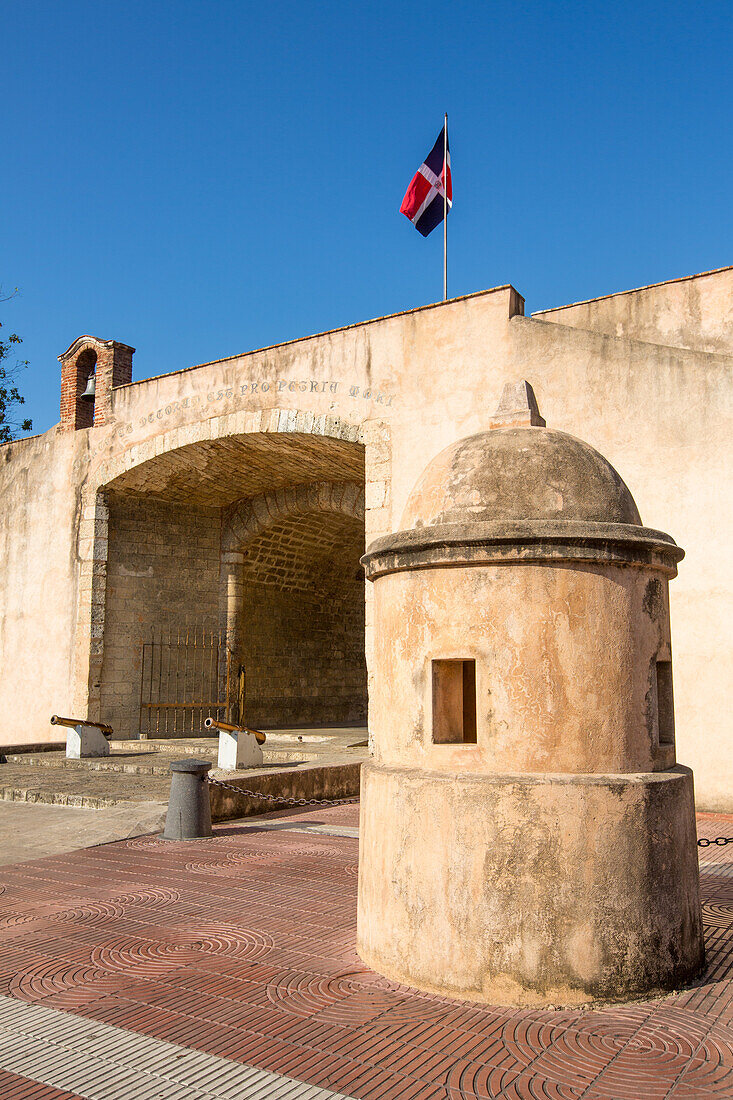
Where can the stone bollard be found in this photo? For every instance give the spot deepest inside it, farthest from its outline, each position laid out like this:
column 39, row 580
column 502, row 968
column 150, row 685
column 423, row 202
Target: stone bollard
column 189, row 809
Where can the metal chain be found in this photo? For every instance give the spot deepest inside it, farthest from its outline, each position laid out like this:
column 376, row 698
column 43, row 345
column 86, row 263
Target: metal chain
column 721, row 840
column 282, row 798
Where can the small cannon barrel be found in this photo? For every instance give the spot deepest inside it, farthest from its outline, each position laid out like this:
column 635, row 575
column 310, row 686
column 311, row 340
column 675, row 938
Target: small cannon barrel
column 72, row 723
column 215, row 724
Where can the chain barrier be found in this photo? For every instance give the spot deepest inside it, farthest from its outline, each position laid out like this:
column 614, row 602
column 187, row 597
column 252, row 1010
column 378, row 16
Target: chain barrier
column 720, row 840
column 282, row 798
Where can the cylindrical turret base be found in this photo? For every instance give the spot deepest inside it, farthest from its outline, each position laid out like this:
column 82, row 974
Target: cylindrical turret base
column 189, row 807
column 530, row 889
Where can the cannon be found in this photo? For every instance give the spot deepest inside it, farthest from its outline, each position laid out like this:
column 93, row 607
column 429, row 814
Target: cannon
column 239, row 746
column 84, row 738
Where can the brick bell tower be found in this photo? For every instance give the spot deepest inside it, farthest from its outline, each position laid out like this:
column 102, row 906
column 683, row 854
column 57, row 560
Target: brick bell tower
column 109, row 362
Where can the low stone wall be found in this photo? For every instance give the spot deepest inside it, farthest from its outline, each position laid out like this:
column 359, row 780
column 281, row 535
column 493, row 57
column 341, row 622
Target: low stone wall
column 309, row 781
column 31, row 746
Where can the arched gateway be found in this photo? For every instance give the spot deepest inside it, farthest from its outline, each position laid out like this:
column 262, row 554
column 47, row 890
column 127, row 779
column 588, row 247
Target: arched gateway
column 229, row 494
column 228, row 558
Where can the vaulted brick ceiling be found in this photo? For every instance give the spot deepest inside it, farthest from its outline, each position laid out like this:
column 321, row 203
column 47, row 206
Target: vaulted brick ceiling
column 218, row 472
column 315, row 554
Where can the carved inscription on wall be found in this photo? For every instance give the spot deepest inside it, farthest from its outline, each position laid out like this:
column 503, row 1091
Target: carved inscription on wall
column 265, row 387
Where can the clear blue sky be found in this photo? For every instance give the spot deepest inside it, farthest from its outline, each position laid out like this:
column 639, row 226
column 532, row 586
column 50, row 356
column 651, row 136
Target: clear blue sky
column 199, row 179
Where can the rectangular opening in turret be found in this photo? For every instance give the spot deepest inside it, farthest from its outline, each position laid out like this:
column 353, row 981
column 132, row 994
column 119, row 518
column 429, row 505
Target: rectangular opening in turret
column 665, row 703
column 454, row 702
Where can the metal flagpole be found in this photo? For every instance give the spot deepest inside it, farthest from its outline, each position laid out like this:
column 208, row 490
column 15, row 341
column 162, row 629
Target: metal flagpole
column 445, row 208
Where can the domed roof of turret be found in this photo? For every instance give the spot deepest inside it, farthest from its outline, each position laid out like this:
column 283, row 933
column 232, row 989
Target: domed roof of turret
column 519, row 493
column 515, row 474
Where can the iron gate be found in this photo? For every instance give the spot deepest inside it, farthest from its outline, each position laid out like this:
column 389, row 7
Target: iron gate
column 184, row 677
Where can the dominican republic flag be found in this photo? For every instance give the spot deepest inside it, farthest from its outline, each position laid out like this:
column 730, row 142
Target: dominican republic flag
column 423, row 202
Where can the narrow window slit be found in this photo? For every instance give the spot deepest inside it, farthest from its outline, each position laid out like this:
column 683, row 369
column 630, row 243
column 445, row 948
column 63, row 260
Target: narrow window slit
column 665, row 703
column 454, row 702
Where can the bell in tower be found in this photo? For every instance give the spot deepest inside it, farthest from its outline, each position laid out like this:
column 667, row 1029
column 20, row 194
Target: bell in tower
column 91, row 370
column 90, row 391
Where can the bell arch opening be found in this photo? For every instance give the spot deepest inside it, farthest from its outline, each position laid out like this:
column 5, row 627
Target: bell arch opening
column 86, row 365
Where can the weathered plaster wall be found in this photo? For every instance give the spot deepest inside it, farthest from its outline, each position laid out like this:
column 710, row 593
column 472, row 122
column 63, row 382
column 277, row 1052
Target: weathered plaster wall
column 695, row 313
column 539, row 633
column 39, row 519
column 662, row 417
column 485, row 898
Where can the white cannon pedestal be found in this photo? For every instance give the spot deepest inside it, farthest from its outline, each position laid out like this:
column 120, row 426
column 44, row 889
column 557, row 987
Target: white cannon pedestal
column 238, row 750
column 83, row 740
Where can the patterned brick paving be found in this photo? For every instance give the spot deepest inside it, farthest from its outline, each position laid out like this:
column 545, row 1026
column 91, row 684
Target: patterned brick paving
column 13, row 1087
column 242, row 946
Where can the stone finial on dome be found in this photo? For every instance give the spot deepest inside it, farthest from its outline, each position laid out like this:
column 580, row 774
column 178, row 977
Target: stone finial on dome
column 517, row 408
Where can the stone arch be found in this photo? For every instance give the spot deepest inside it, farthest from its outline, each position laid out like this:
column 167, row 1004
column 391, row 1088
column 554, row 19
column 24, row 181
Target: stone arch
column 132, row 472
column 123, row 464
column 250, row 516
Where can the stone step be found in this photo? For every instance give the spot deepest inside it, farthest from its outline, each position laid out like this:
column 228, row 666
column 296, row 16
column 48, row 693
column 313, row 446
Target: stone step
column 206, row 747
column 153, row 762
column 89, row 789
column 124, row 764
column 317, row 738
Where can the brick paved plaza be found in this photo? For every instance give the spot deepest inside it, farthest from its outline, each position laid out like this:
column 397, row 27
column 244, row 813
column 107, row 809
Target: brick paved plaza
column 218, row 955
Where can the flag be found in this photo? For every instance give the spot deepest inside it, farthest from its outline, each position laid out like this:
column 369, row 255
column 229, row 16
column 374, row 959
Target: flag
column 423, row 202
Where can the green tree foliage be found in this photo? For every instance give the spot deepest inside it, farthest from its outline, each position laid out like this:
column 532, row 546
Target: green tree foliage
column 10, row 398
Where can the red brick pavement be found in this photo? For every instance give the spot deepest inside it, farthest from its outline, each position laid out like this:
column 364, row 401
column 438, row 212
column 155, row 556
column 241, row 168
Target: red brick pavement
column 13, row 1087
column 243, row 946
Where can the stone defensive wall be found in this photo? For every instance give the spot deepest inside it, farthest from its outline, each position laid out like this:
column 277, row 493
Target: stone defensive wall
column 240, row 494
